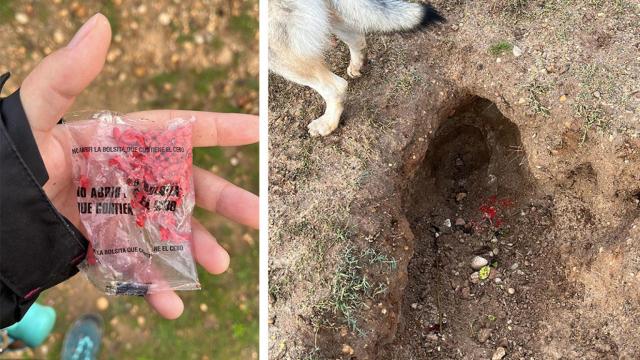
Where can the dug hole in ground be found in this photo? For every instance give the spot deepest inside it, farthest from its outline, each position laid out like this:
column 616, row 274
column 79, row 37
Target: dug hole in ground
column 479, row 199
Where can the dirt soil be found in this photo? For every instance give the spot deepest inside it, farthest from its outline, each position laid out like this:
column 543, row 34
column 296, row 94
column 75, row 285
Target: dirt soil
column 511, row 133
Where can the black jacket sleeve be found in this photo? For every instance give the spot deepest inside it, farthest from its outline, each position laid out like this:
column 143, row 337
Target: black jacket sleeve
column 39, row 247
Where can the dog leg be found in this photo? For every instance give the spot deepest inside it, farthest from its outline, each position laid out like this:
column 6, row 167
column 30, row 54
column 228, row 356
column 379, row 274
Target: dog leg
column 356, row 42
column 330, row 86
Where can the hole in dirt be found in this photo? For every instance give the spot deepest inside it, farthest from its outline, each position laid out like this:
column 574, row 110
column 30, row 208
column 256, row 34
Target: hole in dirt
column 465, row 200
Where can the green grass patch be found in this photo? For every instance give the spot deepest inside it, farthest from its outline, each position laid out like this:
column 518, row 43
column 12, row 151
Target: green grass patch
column 245, row 25
column 351, row 288
column 111, row 12
column 500, row 47
column 6, row 11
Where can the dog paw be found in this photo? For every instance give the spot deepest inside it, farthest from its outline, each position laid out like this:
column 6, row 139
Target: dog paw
column 354, row 70
column 321, row 127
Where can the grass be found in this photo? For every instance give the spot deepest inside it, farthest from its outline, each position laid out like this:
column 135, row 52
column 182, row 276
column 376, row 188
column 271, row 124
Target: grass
column 535, row 89
column 591, row 115
column 405, row 84
column 110, row 10
column 510, row 7
column 500, row 47
column 350, row 287
column 6, row 11
column 598, row 83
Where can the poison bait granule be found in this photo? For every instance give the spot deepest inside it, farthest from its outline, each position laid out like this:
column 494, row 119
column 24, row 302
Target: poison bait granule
column 134, row 190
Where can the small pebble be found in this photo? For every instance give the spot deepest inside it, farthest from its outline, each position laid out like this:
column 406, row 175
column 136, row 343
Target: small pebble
column 346, row 349
column 204, row 307
column 460, row 222
column 517, row 52
column 475, row 277
column 102, row 303
column 139, row 71
column 140, row 321
column 447, row 223
column 495, row 251
column 514, row 266
column 164, row 19
column 499, row 353
column 511, row 291
column 58, row 37
column 22, row 18
column 414, row 305
column 478, row 262
column 460, row 196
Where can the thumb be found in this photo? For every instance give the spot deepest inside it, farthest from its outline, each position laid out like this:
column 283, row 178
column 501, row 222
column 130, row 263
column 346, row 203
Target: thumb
column 50, row 89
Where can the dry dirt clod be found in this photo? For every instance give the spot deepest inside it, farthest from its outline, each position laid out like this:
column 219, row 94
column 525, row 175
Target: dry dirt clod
column 465, row 293
column 460, row 222
column 484, row 335
column 346, row 349
column 478, row 262
column 499, row 353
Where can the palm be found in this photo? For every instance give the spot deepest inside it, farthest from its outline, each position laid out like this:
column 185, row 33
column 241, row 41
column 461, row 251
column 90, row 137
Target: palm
column 49, row 91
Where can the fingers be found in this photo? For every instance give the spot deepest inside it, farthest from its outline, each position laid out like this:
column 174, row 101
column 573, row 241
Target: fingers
column 208, row 253
column 211, row 129
column 50, row 89
column 167, row 303
column 218, row 195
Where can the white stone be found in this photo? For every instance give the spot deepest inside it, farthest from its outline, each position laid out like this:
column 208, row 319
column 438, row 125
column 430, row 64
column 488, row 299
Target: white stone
column 478, row 262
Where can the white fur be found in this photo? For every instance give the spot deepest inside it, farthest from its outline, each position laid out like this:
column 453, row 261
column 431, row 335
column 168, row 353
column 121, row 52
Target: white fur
column 299, row 33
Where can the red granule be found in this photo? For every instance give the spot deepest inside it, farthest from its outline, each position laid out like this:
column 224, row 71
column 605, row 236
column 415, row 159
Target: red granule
column 136, row 201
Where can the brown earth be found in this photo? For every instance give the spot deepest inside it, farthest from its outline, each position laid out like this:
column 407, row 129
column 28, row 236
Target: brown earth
column 363, row 264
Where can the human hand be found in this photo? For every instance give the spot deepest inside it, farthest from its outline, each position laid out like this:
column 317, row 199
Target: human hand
column 50, row 90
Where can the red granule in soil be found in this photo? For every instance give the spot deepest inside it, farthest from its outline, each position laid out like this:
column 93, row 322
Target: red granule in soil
column 492, row 208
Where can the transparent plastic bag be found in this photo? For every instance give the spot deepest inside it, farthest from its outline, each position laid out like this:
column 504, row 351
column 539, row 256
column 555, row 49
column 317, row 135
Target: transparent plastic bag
column 135, row 196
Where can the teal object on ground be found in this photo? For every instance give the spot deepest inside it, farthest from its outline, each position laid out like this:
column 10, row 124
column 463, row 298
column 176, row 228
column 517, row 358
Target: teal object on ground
column 82, row 341
column 35, row 326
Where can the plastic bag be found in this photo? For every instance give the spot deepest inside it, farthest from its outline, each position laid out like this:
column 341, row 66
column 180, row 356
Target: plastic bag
column 135, row 196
